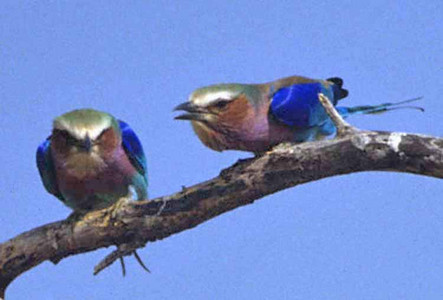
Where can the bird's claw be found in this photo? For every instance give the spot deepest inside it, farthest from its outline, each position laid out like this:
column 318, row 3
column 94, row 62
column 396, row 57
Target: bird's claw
column 118, row 205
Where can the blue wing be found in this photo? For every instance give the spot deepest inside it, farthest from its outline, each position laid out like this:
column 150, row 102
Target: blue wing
column 46, row 168
column 297, row 105
column 133, row 148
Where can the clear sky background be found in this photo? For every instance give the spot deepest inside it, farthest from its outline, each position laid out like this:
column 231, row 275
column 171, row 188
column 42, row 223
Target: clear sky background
column 361, row 236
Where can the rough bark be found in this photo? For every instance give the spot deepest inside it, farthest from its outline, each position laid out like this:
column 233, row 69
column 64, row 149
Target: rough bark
column 286, row 166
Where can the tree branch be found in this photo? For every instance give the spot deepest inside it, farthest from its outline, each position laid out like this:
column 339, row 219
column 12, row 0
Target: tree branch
column 241, row 184
column 343, row 127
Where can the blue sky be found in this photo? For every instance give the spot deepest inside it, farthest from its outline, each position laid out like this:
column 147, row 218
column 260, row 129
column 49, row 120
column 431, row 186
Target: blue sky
column 362, row 236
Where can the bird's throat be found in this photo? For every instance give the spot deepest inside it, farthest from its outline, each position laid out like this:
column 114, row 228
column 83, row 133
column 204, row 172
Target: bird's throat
column 84, row 164
column 208, row 136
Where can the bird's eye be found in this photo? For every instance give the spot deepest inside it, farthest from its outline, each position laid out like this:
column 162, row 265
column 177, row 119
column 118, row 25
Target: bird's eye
column 65, row 136
column 221, row 104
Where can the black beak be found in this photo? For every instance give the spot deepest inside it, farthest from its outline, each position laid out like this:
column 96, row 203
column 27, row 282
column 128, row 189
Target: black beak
column 193, row 112
column 86, row 144
column 186, row 106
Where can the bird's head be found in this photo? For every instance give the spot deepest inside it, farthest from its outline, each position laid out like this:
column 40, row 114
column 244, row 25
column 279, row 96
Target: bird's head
column 221, row 114
column 84, row 136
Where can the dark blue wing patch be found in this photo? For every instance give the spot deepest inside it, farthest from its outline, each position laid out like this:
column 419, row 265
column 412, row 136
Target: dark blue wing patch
column 46, row 168
column 298, row 105
column 133, row 148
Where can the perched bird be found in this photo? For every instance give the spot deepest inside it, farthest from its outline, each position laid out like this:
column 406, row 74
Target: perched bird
column 256, row 117
column 91, row 160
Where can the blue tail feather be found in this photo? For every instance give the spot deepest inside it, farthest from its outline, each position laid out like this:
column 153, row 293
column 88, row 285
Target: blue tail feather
column 381, row 108
column 328, row 127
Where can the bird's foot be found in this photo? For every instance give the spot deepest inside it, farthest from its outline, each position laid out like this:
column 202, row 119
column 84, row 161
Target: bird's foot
column 75, row 216
column 118, row 205
column 131, row 196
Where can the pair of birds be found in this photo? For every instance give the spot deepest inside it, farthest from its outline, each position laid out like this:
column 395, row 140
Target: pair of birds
column 91, row 160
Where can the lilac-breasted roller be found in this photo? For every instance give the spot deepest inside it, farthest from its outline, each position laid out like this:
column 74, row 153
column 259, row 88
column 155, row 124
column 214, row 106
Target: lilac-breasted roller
column 91, row 160
column 256, row 117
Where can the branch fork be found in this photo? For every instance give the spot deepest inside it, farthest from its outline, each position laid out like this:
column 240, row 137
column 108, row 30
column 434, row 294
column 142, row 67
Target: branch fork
column 343, row 128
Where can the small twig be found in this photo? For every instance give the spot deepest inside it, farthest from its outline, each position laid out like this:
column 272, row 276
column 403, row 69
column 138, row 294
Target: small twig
column 122, row 250
column 109, row 260
column 122, row 262
column 140, row 262
column 343, row 127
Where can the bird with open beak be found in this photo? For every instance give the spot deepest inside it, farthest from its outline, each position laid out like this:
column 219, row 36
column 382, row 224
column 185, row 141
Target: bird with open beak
column 256, row 117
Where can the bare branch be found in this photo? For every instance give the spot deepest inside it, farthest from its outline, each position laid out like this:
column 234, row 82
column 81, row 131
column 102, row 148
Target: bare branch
column 241, row 184
column 343, row 127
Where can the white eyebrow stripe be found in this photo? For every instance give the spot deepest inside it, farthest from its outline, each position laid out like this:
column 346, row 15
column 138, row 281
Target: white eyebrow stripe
column 80, row 132
column 209, row 98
